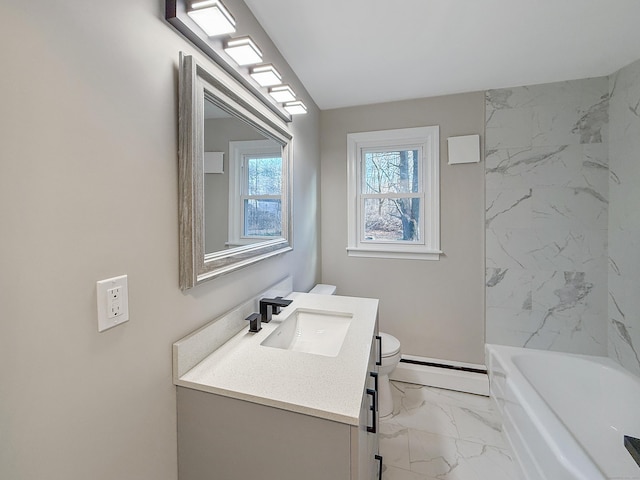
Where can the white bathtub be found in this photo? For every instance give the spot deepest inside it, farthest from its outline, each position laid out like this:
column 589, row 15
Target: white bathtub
column 564, row 415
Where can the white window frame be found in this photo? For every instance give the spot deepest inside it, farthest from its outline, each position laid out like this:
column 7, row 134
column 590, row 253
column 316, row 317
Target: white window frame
column 238, row 150
column 427, row 141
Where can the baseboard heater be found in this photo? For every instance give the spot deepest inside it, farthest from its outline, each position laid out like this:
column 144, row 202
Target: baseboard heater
column 444, row 365
column 470, row 378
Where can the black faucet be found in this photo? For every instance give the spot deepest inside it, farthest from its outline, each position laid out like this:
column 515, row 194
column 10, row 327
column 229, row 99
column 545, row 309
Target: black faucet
column 633, row 446
column 272, row 306
column 254, row 322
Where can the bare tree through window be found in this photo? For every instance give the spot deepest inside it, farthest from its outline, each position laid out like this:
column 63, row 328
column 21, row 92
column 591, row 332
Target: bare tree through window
column 263, row 198
column 390, row 193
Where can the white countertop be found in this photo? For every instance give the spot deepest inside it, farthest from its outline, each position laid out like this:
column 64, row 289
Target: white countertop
column 321, row 386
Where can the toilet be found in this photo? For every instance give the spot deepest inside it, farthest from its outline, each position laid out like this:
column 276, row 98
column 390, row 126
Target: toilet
column 390, row 359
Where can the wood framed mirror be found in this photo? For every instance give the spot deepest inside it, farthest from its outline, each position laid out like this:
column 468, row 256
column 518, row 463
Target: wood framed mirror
column 234, row 159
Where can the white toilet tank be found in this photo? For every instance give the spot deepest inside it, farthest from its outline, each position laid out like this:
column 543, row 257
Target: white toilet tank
column 323, row 289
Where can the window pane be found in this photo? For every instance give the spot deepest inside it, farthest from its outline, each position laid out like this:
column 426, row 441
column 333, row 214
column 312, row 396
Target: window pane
column 264, row 176
column 262, row 217
column 390, row 172
column 392, row 219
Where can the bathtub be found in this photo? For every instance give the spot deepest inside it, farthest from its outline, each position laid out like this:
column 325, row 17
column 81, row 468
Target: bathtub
column 565, row 416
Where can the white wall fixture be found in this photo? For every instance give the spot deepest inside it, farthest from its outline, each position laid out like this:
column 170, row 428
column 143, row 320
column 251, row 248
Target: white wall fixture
column 113, row 302
column 295, row 108
column 266, row 75
column 243, row 51
column 212, row 17
column 464, row 149
column 282, row 93
column 213, row 162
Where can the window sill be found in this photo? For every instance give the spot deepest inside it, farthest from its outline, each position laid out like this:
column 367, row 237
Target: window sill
column 403, row 255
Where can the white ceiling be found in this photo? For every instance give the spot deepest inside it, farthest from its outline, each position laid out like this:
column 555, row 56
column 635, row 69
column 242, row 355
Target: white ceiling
column 356, row 52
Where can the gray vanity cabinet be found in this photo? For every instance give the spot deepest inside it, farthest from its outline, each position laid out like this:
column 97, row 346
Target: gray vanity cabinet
column 223, row 438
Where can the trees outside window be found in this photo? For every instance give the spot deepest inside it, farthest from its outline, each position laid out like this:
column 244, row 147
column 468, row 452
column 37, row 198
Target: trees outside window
column 390, row 190
column 262, row 196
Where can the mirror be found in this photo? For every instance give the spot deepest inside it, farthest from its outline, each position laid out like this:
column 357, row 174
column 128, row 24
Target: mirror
column 234, row 172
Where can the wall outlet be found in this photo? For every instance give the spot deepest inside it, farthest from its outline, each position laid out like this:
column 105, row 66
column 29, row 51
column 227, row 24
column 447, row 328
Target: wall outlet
column 113, row 302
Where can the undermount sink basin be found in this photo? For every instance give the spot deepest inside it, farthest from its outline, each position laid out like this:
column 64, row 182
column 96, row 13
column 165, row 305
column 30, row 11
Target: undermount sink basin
column 311, row 331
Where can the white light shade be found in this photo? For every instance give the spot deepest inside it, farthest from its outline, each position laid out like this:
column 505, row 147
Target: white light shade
column 282, row 93
column 266, row 75
column 295, row 108
column 212, row 17
column 243, row 51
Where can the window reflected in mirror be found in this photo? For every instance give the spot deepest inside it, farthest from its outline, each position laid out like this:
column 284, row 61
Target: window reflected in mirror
column 242, row 198
column 261, row 191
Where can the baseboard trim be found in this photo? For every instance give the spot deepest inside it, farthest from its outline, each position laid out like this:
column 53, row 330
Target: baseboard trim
column 463, row 377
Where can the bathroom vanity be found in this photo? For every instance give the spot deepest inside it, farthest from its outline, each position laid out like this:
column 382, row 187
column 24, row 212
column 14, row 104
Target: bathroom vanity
column 298, row 399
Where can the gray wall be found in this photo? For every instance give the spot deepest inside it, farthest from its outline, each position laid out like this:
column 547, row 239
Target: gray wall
column 546, row 216
column 435, row 308
column 624, row 217
column 88, row 190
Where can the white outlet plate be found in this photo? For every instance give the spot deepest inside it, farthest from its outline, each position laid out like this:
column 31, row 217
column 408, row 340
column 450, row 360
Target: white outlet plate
column 113, row 302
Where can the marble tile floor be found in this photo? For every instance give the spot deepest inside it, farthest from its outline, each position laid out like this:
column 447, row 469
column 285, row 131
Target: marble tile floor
column 436, row 434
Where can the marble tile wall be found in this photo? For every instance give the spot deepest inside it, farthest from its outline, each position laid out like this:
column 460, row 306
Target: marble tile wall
column 547, row 189
column 624, row 218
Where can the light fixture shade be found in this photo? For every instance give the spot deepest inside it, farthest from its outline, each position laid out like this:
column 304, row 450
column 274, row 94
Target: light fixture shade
column 266, row 75
column 243, row 51
column 212, row 17
column 282, row 93
column 295, row 108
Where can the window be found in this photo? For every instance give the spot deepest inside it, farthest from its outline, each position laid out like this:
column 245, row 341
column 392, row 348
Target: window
column 255, row 191
column 393, row 191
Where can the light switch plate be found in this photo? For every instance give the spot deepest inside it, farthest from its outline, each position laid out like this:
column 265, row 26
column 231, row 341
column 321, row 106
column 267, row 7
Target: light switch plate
column 113, row 302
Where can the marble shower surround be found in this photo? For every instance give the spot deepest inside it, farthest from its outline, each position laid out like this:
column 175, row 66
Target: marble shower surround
column 547, row 188
column 624, row 218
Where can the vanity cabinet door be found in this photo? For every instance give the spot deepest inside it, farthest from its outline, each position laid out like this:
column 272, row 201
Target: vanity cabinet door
column 365, row 453
column 372, row 440
column 222, row 438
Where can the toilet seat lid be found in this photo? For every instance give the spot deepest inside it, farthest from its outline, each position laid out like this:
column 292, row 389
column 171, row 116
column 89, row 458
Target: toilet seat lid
column 390, row 345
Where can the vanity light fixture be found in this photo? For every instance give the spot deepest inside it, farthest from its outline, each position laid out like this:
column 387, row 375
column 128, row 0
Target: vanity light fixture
column 295, row 108
column 282, row 93
column 243, row 51
column 212, row 17
column 207, row 24
column 266, row 75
